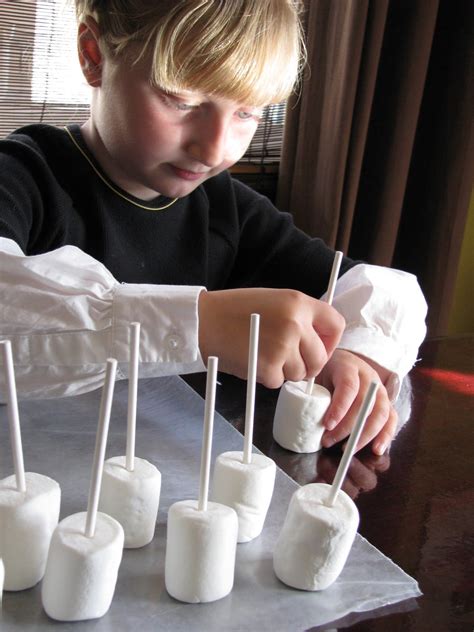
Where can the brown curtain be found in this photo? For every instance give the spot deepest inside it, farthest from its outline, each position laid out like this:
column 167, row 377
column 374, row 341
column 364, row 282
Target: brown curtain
column 378, row 155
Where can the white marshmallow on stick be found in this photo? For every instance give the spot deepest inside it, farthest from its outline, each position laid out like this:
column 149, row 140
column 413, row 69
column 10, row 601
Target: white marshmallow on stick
column 13, row 415
column 86, row 548
column 301, row 406
column 297, row 424
column 201, row 535
column 29, row 503
column 320, row 525
column 131, row 486
column 351, row 445
column 100, row 446
column 247, row 488
column 132, row 394
column 242, row 480
column 251, row 386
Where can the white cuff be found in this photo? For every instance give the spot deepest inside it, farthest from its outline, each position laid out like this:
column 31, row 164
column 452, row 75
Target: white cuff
column 385, row 318
column 169, row 326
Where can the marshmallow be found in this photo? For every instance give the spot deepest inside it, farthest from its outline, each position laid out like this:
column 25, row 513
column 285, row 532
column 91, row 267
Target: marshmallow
column 27, row 521
column 315, row 539
column 81, row 572
column 2, row 578
column 297, row 423
column 132, row 498
column 200, row 551
column 246, row 487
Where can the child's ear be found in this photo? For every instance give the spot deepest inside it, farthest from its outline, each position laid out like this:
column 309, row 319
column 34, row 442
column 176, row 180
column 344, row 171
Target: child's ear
column 90, row 55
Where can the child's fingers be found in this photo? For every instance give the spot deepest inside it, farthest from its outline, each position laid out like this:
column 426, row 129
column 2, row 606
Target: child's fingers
column 382, row 441
column 328, row 324
column 339, row 432
column 346, row 389
column 313, row 353
column 377, row 419
column 271, row 376
column 292, row 361
column 294, row 369
column 374, row 424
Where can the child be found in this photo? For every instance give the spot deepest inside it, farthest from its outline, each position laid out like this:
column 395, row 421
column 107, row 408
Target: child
column 129, row 216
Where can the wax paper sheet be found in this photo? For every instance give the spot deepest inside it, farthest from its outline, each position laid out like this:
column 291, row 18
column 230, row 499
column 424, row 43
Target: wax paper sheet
column 58, row 439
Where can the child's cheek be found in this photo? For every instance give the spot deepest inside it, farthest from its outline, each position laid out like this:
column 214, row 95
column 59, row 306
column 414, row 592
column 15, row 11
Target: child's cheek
column 237, row 144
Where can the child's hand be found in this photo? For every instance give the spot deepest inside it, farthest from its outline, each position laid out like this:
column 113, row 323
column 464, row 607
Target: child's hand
column 348, row 376
column 297, row 333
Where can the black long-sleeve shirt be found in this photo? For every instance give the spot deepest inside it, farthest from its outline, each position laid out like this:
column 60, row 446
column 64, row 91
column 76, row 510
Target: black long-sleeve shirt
column 222, row 235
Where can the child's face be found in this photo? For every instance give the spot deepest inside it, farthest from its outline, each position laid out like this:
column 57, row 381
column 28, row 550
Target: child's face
column 151, row 142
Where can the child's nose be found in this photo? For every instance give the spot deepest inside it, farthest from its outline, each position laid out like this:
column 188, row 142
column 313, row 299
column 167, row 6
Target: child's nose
column 209, row 141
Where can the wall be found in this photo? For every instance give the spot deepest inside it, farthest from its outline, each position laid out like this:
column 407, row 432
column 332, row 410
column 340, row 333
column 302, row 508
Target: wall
column 462, row 313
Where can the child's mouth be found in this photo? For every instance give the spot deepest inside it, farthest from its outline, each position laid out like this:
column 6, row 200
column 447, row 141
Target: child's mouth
column 188, row 175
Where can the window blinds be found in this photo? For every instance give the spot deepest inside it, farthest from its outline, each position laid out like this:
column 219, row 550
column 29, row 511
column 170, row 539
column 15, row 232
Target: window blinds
column 39, row 71
column 41, row 81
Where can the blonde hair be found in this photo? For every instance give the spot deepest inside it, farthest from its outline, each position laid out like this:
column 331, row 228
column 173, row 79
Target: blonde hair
column 250, row 51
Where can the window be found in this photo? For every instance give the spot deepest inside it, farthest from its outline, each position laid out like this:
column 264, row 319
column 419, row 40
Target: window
column 38, row 65
column 41, row 81
column 57, row 76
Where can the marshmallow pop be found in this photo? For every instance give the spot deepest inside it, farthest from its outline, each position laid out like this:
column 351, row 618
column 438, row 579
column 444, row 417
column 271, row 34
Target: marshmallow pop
column 29, row 503
column 131, row 486
column 242, row 480
column 86, row 548
column 301, row 406
column 320, row 525
column 201, row 536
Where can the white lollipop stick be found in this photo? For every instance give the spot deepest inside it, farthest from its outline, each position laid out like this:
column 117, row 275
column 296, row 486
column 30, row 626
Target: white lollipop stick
column 251, row 385
column 333, row 278
column 207, row 433
column 352, row 442
column 13, row 415
column 132, row 395
column 330, row 295
column 100, row 443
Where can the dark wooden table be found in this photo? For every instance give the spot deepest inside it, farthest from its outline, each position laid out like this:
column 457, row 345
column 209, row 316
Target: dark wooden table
column 417, row 503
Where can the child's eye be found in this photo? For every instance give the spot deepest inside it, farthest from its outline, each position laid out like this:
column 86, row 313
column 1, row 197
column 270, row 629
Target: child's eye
column 173, row 102
column 245, row 115
column 185, row 107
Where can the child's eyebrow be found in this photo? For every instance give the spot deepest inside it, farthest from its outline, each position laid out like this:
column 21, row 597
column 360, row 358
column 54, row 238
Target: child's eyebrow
column 177, row 93
column 182, row 96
